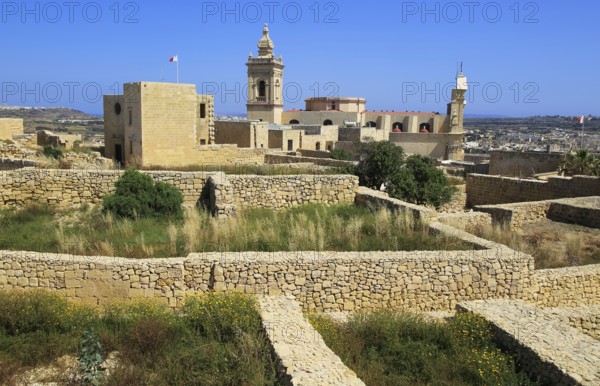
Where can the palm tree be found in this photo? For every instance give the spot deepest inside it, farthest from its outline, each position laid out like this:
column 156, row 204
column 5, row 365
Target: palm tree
column 580, row 162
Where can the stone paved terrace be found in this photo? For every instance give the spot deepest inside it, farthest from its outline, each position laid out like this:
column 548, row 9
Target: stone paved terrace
column 302, row 356
column 548, row 346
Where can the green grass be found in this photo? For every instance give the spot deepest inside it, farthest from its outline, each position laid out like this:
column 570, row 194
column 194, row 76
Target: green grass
column 211, row 340
column 387, row 348
column 308, row 228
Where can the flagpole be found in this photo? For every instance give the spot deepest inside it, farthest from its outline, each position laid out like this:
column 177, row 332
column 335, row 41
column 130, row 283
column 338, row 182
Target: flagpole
column 177, row 69
column 582, row 129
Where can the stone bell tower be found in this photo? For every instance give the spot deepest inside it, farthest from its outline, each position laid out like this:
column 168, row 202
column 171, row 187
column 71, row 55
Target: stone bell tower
column 456, row 107
column 265, row 82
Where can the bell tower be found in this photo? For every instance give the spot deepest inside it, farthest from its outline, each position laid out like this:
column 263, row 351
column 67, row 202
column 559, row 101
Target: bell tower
column 265, row 82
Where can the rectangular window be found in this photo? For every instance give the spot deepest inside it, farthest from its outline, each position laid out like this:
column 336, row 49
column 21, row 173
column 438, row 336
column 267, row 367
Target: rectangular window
column 202, row 110
column 290, row 144
column 203, row 142
column 130, row 147
column 130, row 117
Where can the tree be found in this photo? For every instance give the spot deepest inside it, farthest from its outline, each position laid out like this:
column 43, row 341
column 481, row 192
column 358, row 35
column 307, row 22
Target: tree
column 138, row 196
column 414, row 179
column 378, row 163
column 580, row 162
column 421, row 182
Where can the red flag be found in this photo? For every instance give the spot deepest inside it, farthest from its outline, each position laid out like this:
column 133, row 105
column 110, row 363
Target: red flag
column 174, row 59
column 581, row 118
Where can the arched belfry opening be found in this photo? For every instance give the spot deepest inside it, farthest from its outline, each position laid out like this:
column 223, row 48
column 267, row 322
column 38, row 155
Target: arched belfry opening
column 262, row 89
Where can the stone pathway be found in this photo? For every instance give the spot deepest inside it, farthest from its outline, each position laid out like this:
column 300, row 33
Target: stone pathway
column 300, row 351
column 549, row 347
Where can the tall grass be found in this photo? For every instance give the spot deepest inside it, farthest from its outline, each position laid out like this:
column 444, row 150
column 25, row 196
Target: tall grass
column 306, row 228
column 388, row 348
column 213, row 339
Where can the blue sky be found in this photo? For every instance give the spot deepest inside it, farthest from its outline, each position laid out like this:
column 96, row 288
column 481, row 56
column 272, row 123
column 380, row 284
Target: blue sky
column 521, row 57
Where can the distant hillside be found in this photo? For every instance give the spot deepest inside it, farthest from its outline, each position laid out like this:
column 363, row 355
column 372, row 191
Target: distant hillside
column 45, row 113
column 59, row 119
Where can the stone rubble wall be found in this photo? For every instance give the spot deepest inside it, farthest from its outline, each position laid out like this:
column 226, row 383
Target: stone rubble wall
column 467, row 221
column 14, row 164
column 14, row 151
column 585, row 319
column 302, row 356
column 583, row 211
column 514, row 216
column 493, row 190
column 281, row 192
column 320, row 281
column 458, row 202
column 276, row 159
column 565, row 287
column 576, row 212
column 72, row 187
column 549, row 349
column 377, row 199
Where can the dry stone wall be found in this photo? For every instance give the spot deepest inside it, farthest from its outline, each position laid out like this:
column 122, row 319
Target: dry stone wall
column 377, row 199
column 320, row 281
column 14, row 164
column 280, row 192
column 493, row 190
column 72, row 187
column 576, row 211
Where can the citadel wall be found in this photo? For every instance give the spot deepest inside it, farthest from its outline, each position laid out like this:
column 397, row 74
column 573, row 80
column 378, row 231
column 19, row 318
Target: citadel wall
column 10, row 127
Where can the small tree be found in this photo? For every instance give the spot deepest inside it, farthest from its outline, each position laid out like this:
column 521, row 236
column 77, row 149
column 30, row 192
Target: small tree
column 415, row 179
column 138, row 196
column 52, row 152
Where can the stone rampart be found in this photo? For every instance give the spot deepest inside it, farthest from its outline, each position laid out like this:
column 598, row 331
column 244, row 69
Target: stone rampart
column 493, row 190
column 576, row 211
column 523, row 164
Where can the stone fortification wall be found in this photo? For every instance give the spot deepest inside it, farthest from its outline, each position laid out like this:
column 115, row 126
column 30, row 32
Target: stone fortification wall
column 275, row 159
column 523, row 164
column 585, row 319
column 467, row 221
column 492, row 190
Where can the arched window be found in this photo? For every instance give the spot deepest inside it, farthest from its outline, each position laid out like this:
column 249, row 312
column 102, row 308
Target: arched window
column 262, row 89
column 424, row 128
column 318, row 146
column 327, row 122
column 397, row 127
column 294, row 122
column 371, row 124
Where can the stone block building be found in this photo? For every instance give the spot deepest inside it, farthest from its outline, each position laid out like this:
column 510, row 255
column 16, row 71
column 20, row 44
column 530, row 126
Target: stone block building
column 10, row 127
column 157, row 124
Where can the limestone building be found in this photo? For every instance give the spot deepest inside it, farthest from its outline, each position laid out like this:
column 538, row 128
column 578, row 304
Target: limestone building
column 157, row 123
column 10, row 127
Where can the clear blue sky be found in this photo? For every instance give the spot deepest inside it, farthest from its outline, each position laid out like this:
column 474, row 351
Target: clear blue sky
column 521, row 58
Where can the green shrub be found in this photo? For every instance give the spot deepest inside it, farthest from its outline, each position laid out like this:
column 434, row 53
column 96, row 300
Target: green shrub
column 52, row 152
column 342, row 154
column 222, row 316
column 138, row 196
